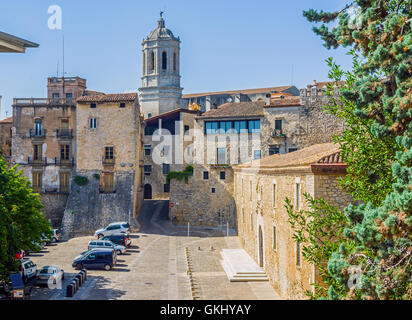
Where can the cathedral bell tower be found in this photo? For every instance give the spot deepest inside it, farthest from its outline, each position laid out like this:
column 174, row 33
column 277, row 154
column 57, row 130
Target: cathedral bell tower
column 160, row 91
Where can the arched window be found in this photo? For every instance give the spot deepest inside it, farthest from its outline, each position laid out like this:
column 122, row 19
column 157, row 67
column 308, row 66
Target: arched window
column 151, row 61
column 144, row 62
column 164, row 60
column 174, row 61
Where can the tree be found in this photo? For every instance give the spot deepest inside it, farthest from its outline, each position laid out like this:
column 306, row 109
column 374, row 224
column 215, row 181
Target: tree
column 22, row 225
column 381, row 93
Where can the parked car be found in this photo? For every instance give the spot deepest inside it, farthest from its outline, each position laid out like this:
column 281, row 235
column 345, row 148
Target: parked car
column 119, row 238
column 115, row 227
column 20, row 254
column 96, row 258
column 106, row 244
column 50, row 274
column 27, row 269
column 56, row 235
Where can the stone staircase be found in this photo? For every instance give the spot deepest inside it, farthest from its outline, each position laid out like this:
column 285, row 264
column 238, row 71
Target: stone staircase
column 240, row 267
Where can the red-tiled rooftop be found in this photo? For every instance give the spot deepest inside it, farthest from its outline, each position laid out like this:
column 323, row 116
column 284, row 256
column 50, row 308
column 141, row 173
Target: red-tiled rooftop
column 237, row 110
column 116, row 97
column 168, row 114
column 284, row 101
column 243, row 91
column 7, row 120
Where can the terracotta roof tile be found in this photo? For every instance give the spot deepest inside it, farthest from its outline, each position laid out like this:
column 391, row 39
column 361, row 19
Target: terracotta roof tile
column 284, row 102
column 236, row 110
column 303, row 157
column 244, row 91
column 117, row 97
column 7, row 120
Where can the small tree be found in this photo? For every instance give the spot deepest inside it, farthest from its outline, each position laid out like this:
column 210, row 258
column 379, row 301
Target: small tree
column 22, row 225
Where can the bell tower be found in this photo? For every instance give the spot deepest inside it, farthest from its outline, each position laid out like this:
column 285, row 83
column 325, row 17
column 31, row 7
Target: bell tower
column 160, row 91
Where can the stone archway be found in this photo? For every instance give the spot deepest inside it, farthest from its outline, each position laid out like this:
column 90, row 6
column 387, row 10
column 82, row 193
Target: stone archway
column 147, row 192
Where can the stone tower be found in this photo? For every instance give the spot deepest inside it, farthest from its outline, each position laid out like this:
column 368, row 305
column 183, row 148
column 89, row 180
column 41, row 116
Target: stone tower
column 160, row 91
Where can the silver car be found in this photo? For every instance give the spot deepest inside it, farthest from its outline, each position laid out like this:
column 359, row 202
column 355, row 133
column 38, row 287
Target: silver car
column 107, row 244
column 50, row 275
column 115, row 227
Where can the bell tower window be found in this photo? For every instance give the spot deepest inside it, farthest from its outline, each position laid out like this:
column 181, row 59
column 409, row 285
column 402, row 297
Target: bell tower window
column 151, row 61
column 174, row 61
column 164, row 60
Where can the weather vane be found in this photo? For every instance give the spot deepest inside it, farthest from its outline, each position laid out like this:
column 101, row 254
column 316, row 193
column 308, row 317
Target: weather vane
column 161, row 14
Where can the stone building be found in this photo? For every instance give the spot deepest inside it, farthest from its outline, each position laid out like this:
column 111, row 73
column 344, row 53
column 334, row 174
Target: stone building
column 167, row 142
column 160, row 91
column 5, row 137
column 44, row 142
column 261, row 187
column 212, row 100
column 10, row 43
column 109, row 139
column 239, row 132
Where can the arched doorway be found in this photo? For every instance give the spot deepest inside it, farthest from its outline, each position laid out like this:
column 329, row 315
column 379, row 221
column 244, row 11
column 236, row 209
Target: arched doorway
column 147, row 191
column 260, row 250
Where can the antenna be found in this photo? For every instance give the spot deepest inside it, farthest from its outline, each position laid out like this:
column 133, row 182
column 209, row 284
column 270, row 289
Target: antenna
column 63, row 66
column 291, row 80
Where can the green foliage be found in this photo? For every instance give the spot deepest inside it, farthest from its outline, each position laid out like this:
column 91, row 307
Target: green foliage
column 379, row 92
column 180, row 175
column 21, row 222
column 96, row 176
column 320, row 232
column 81, row 180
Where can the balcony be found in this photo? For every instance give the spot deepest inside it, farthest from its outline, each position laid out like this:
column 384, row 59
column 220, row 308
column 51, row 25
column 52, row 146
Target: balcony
column 38, row 162
column 43, row 101
column 64, row 133
column 220, row 166
column 64, row 162
column 108, row 162
column 103, row 189
column 278, row 134
column 38, row 133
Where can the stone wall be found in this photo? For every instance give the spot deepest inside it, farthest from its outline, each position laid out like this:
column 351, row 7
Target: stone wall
column 88, row 210
column 54, row 206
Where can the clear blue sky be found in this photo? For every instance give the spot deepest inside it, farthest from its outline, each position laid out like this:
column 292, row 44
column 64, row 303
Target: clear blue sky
column 226, row 44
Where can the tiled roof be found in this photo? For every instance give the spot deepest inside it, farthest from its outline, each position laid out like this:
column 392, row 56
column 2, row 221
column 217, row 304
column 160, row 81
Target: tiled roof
column 284, row 102
column 117, row 97
column 236, row 110
column 7, row 120
column 168, row 114
column 303, row 157
column 244, row 91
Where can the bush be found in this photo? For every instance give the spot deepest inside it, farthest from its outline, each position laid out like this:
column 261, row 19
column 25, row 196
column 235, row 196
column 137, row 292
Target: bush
column 81, row 180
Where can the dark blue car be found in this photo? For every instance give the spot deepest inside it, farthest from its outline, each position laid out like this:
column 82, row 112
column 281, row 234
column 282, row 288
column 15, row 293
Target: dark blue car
column 99, row 258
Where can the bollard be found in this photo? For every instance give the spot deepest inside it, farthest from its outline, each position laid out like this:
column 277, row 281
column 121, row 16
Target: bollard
column 75, row 284
column 69, row 290
column 80, row 278
column 85, row 273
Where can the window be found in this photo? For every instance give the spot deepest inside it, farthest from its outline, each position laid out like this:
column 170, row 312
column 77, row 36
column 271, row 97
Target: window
column 165, row 151
column 213, row 190
column 37, row 181
column 149, row 115
column 274, row 195
column 205, row 175
column 211, row 127
column 186, row 130
column 257, row 154
column 225, row 126
column 108, row 153
column 65, row 152
column 273, row 150
column 151, row 61
column 251, row 221
column 144, row 62
column 250, row 190
column 64, row 181
column 293, row 149
column 274, row 238
column 222, row 175
column 174, row 61
column 254, row 126
column 221, row 155
column 122, row 105
column 166, row 188
column 166, row 168
column 38, row 128
column 164, row 60
column 93, row 123
column 64, row 125
column 298, row 205
column 56, row 96
column 37, row 152
column 147, row 149
column 278, row 125
column 147, row 169
column 240, row 126
column 92, row 105
column 298, row 254
column 69, row 95
column 243, row 215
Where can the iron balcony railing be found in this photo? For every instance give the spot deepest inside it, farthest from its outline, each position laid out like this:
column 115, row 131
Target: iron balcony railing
column 64, row 133
column 64, row 162
column 278, row 134
column 107, row 161
column 39, row 161
column 36, row 133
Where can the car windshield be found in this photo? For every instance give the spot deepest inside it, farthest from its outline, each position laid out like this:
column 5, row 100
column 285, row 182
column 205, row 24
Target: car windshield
column 85, row 252
column 48, row 270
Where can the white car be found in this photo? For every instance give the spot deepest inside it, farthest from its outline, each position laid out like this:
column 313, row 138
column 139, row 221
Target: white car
column 27, row 269
column 106, row 244
column 115, row 227
column 50, row 275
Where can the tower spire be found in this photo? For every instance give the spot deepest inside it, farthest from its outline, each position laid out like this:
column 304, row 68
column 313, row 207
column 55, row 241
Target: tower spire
column 161, row 22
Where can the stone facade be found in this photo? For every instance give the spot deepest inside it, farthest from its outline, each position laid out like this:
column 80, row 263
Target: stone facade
column 109, row 144
column 263, row 227
column 5, row 137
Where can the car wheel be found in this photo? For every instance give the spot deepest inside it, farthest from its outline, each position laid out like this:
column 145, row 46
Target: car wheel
column 54, row 240
column 119, row 252
column 107, row 267
column 79, row 266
